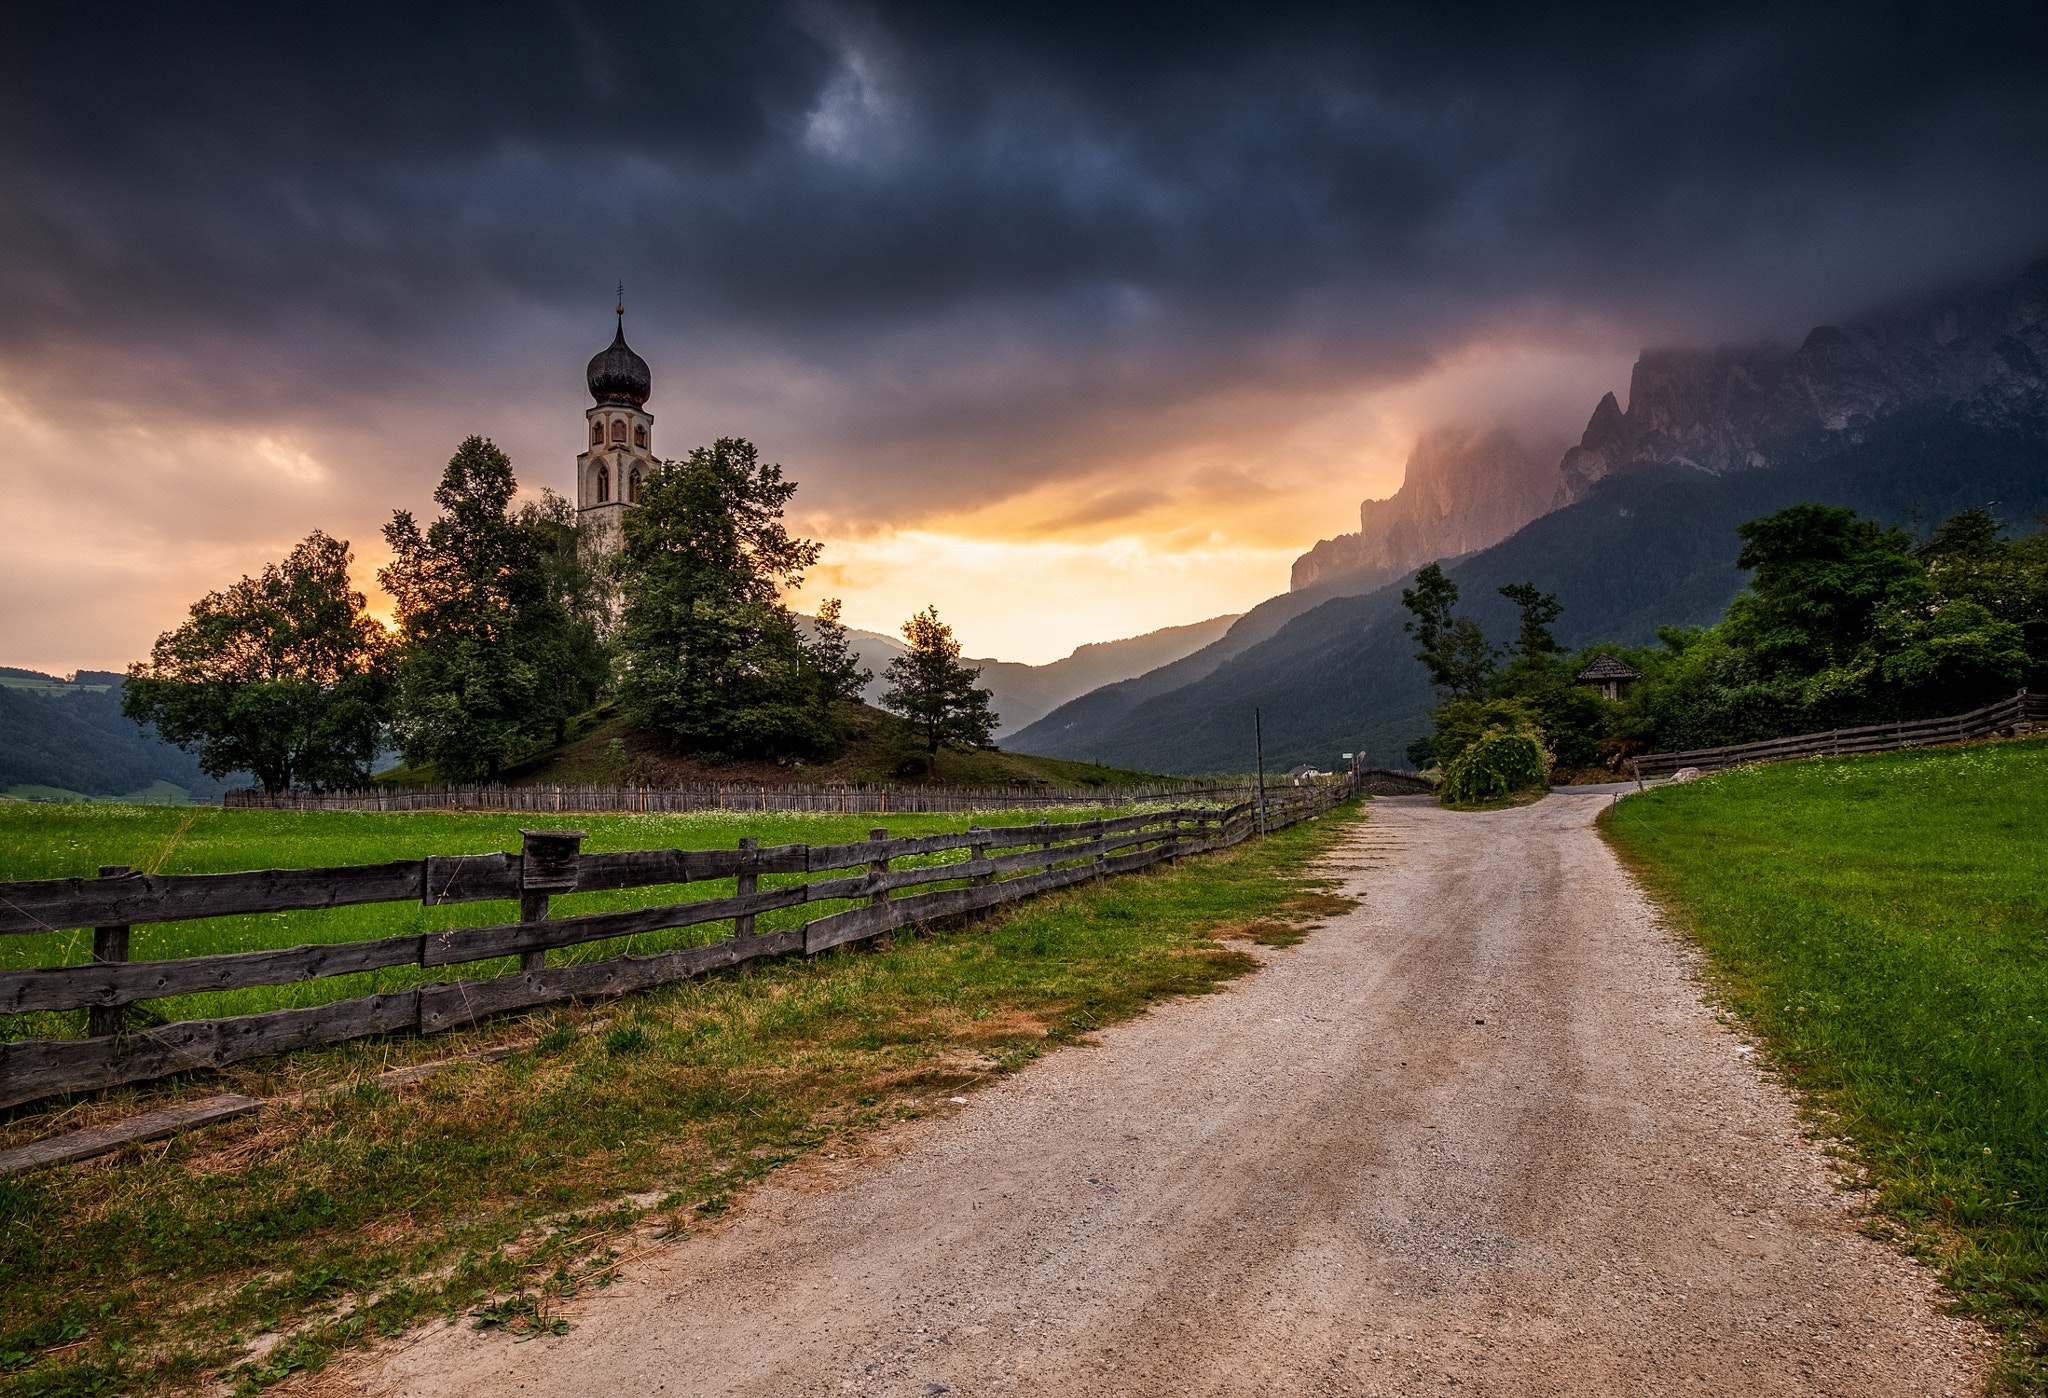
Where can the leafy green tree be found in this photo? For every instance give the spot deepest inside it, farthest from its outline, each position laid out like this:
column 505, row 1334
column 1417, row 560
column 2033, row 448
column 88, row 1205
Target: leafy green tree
column 1453, row 648
column 706, row 652
column 1533, row 640
column 493, row 656
column 1966, row 560
column 930, row 687
column 1821, row 578
column 580, row 662
column 1846, row 623
column 283, row 675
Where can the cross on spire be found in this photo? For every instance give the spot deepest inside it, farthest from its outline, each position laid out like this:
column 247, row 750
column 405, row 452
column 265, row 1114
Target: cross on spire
column 622, row 301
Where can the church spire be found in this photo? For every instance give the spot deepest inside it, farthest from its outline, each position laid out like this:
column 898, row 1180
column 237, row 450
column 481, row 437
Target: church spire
column 617, row 375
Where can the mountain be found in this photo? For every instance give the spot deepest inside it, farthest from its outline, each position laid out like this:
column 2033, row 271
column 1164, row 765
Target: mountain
column 1908, row 415
column 1982, row 351
column 1651, row 545
column 1463, row 491
column 66, row 739
column 1024, row 693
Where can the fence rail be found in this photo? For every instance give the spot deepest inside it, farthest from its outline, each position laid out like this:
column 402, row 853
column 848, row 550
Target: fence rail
column 813, row 797
column 1001, row 863
column 2023, row 708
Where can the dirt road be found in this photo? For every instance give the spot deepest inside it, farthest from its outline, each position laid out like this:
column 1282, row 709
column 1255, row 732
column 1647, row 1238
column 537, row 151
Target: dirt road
column 1479, row 1135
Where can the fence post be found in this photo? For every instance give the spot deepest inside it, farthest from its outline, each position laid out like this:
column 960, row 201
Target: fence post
column 109, row 945
column 747, row 881
column 547, row 865
column 1047, row 843
column 1173, row 837
column 1095, row 834
column 979, row 851
column 1259, row 742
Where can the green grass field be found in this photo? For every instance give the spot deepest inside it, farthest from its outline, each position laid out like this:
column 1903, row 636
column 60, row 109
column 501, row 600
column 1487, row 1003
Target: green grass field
column 357, row 1211
column 42, row 841
column 1882, row 924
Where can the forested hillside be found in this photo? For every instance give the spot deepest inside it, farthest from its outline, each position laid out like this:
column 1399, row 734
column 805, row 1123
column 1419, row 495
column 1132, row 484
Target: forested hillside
column 1650, row 546
column 64, row 740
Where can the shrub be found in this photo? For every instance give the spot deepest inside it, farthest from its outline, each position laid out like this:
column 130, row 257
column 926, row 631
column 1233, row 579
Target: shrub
column 1501, row 763
column 1463, row 722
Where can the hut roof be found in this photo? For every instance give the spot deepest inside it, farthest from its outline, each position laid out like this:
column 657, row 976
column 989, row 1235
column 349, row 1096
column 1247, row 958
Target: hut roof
column 1606, row 667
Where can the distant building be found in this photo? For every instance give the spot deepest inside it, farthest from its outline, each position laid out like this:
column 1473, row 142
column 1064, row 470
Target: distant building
column 618, row 442
column 1610, row 675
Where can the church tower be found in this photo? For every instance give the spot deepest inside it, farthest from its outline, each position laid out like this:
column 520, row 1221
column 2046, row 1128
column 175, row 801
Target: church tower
column 618, row 442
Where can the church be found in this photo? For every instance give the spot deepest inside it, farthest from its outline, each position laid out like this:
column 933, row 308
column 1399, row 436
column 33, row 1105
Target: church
column 618, row 445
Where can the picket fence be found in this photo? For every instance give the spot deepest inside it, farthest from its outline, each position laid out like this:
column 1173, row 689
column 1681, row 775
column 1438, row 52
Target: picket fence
column 2005, row 716
column 882, row 799
column 550, row 863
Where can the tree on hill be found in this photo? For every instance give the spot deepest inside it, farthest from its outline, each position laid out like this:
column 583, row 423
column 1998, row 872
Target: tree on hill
column 282, row 675
column 1453, row 648
column 706, row 652
column 493, row 656
column 1533, row 640
column 930, row 687
column 837, row 660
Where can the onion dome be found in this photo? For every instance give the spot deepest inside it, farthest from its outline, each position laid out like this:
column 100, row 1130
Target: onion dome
column 618, row 377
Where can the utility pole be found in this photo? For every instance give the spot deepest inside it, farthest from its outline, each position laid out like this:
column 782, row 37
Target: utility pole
column 1259, row 746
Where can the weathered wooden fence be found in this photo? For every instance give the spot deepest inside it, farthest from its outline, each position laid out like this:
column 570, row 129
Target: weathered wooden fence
column 2007, row 714
column 1044, row 856
column 837, row 799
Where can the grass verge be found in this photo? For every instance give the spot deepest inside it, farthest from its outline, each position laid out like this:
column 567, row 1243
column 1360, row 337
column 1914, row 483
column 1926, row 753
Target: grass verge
column 1880, row 924
column 487, row 1193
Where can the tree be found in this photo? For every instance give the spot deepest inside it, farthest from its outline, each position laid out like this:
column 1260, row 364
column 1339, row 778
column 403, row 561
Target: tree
column 836, row 658
column 282, row 675
column 1453, row 648
column 492, row 658
column 1822, row 576
column 579, row 660
column 1539, row 609
column 706, row 651
column 930, row 687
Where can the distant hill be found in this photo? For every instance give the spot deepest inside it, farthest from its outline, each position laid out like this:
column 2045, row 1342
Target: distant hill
column 66, row 740
column 1650, row 544
column 1024, row 693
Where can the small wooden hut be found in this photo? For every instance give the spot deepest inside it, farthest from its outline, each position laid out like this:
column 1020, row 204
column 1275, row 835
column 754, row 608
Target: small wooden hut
column 1608, row 674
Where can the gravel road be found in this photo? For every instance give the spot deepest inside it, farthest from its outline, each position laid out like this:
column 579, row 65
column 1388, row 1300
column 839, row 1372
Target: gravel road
column 1479, row 1134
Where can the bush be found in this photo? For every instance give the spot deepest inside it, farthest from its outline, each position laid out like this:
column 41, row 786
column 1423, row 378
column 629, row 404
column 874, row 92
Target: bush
column 1503, row 762
column 1462, row 722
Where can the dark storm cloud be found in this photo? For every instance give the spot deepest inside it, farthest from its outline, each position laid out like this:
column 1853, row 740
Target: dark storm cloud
column 828, row 168
column 1102, row 209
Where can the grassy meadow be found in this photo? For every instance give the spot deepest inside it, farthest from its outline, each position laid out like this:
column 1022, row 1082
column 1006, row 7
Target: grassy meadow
column 486, row 1194
column 1881, row 923
column 49, row 841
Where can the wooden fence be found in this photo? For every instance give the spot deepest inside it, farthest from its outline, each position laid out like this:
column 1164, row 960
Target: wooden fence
column 2007, row 714
column 1045, row 856
column 732, row 796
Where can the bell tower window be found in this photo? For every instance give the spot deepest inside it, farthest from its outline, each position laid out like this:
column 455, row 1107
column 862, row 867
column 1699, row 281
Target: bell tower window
column 640, row 434
column 597, row 434
column 633, row 487
column 604, row 484
column 619, row 430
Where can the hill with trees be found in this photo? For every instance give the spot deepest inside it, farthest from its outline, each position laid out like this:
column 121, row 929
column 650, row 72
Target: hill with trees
column 67, row 740
column 521, row 652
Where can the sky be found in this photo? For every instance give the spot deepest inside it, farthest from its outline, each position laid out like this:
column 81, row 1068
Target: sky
column 1077, row 321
